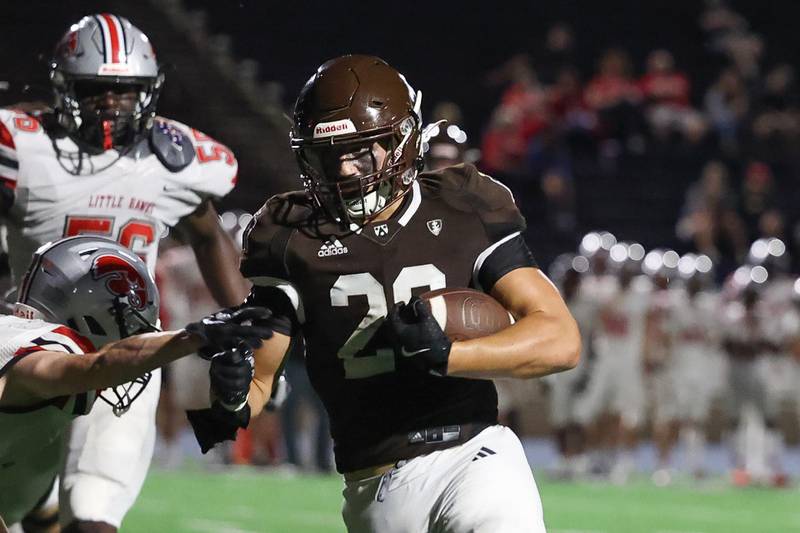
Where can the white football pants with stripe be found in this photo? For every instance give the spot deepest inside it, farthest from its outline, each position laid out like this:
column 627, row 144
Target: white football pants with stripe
column 482, row 486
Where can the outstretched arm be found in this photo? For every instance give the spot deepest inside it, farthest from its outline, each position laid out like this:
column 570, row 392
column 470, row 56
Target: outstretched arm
column 44, row 374
column 39, row 375
column 543, row 340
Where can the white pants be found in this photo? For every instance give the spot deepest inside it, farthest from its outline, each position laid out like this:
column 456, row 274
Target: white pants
column 615, row 386
column 108, row 458
column 482, row 486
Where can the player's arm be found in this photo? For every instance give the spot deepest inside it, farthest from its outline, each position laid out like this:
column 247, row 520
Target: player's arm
column 36, row 375
column 543, row 340
column 44, row 374
column 268, row 363
column 216, row 254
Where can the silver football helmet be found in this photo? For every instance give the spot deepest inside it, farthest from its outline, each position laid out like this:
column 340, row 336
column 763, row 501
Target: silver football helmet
column 98, row 288
column 105, row 51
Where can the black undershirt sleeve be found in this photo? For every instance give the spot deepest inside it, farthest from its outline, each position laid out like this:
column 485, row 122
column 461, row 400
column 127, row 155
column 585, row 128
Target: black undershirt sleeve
column 512, row 254
column 284, row 317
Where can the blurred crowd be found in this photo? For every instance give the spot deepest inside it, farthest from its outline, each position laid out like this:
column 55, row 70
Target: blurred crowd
column 732, row 124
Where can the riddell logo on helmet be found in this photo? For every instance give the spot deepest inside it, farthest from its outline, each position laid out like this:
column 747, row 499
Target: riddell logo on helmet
column 337, row 127
column 114, row 68
column 122, row 279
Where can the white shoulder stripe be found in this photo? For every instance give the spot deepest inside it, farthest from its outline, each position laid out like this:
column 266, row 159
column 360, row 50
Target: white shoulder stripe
column 500, row 183
column 476, row 269
column 416, row 199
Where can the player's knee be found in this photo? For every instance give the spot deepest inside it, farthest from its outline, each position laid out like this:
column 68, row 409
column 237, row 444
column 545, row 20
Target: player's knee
column 81, row 526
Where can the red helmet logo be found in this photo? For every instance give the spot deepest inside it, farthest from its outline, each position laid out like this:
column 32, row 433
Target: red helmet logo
column 122, row 279
column 69, row 44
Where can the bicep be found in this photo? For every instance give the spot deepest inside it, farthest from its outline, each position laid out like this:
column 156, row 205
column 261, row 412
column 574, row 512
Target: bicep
column 525, row 291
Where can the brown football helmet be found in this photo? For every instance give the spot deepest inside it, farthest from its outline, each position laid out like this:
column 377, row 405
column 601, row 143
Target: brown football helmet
column 350, row 103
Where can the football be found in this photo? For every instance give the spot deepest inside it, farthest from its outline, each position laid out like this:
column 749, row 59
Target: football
column 466, row 313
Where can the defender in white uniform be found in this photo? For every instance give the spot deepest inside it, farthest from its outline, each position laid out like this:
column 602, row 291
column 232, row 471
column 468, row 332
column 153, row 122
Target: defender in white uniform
column 49, row 372
column 615, row 385
column 32, row 443
column 102, row 163
column 569, row 272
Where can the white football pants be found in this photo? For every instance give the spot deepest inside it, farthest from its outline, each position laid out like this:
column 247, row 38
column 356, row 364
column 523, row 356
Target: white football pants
column 108, row 458
column 482, row 486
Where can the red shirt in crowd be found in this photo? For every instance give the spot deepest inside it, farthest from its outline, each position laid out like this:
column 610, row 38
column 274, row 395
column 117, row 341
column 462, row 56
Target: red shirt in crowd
column 666, row 88
column 605, row 91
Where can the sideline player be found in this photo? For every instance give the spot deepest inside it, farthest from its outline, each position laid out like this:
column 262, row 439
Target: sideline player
column 413, row 415
column 569, row 272
column 81, row 293
column 696, row 331
column 612, row 408
column 751, row 336
column 102, row 162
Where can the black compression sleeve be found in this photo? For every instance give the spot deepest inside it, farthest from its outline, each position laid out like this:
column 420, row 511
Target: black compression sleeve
column 512, row 254
column 284, row 317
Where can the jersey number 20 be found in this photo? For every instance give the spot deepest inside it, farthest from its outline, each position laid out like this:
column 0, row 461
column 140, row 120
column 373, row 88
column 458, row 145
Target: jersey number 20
column 365, row 284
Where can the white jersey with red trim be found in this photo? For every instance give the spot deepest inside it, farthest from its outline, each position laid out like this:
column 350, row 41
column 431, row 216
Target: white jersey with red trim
column 32, row 437
column 620, row 324
column 695, row 326
column 130, row 196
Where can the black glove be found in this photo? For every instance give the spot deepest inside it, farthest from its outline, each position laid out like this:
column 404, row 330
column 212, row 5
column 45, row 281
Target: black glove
column 231, row 373
column 419, row 343
column 217, row 424
column 229, row 328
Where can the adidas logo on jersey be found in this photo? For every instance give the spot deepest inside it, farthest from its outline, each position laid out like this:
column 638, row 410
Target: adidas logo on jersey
column 332, row 247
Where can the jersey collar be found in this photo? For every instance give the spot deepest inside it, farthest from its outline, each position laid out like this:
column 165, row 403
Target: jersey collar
column 383, row 232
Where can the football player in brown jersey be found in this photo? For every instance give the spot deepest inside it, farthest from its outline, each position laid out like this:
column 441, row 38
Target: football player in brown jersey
column 413, row 415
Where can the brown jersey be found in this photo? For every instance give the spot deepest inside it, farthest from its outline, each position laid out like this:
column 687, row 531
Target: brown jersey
column 456, row 228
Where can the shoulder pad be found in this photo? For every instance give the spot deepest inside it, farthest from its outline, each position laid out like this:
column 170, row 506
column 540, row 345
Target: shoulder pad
column 172, row 147
column 465, row 188
column 267, row 234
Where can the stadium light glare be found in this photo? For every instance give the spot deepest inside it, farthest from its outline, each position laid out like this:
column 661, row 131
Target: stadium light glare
column 580, row 264
column 759, row 250
column 228, row 220
column 741, row 276
column 619, row 252
column 636, row 252
column 759, row 274
column 671, row 259
column 590, row 243
column 652, row 262
column 776, row 247
column 607, row 240
column 244, row 219
column 687, row 265
column 703, row 264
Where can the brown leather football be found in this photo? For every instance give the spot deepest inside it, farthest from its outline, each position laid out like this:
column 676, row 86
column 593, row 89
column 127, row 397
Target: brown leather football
column 466, row 313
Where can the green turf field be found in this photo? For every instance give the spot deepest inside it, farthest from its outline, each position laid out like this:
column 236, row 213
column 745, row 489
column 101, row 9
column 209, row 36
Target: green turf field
column 252, row 501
